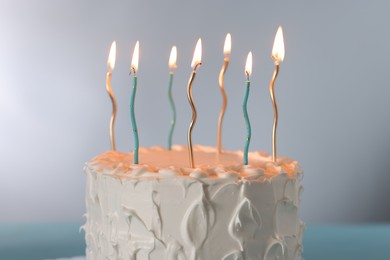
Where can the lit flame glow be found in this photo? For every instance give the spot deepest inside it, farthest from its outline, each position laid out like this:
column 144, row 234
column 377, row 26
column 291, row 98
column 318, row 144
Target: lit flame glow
column 197, row 59
column 112, row 56
column 172, row 58
column 248, row 65
column 228, row 44
column 278, row 49
column 134, row 61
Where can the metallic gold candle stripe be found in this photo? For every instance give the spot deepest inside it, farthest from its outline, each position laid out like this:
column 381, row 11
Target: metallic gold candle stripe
column 224, row 103
column 114, row 109
column 275, row 124
column 194, row 116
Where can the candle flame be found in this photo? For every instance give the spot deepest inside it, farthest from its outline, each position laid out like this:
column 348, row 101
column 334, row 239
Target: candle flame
column 112, row 56
column 228, row 44
column 172, row 58
column 134, row 61
column 197, row 59
column 278, row 49
column 248, row 65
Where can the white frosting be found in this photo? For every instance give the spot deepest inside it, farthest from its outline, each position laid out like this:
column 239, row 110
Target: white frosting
column 162, row 209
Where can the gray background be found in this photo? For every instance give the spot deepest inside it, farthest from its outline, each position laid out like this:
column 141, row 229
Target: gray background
column 333, row 94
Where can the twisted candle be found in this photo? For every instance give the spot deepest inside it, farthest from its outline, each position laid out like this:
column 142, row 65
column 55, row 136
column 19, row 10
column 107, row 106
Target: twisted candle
column 173, row 109
column 196, row 62
column 277, row 56
column 194, row 116
column 111, row 65
column 113, row 115
column 224, row 104
column 172, row 66
column 132, row 116
column 134, row 67
column 275, row 106
column 248, row 71
column 221, row 81
column 247, row 122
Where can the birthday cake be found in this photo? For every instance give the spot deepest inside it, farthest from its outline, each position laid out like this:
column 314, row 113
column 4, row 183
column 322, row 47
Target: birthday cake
column 222, row 209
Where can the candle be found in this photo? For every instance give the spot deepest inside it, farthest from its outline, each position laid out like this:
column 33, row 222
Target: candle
column 196, row 62
column 226, row 50
column 248, row 71
column 277, row 56
column 111, row 65
column 134, row 68
column 172, row 66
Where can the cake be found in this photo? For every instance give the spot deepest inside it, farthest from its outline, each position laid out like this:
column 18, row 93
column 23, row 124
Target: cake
column 222, row 209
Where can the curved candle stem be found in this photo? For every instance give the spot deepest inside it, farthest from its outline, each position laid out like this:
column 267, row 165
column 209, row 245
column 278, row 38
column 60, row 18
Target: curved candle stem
column 247, row 122
column 173, row 109
column 224, row 103
column 275, row 125
column 194, row 116
column 113, row 115
column 133, row 121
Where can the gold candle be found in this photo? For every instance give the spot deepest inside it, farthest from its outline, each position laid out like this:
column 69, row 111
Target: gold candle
column 226, row 50
column 111, row 65
column 196, row 62
column 277, row 56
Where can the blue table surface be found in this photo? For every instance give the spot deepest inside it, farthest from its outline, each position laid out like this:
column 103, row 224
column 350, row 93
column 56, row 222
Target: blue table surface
column 55, row 240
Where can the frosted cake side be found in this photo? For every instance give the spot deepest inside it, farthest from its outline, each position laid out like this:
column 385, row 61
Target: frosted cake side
column 161, row 209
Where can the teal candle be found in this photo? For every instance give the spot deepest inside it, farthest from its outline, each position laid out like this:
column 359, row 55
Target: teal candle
column 134, row 68
column 248, row 71
column 247, row 122
column 133, row 121
column 173, row 109
column 172, row 66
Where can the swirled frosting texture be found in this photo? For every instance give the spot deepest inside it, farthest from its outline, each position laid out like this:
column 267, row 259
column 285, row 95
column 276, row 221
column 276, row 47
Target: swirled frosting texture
column 161, row 209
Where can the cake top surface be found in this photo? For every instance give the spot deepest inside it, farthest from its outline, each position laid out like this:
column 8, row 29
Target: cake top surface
column 160, row 162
